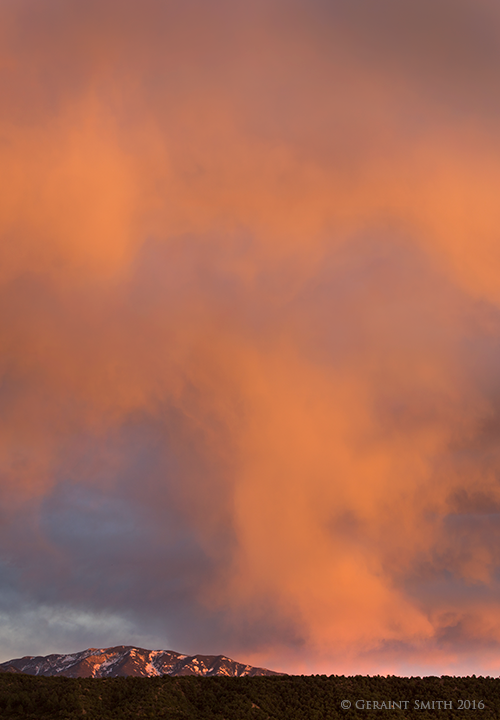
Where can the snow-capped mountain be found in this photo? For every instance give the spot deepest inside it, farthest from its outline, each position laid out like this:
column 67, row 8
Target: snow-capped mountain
column 125, row 660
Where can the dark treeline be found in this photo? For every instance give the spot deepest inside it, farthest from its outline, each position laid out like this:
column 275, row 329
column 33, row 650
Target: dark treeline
column 312, row 697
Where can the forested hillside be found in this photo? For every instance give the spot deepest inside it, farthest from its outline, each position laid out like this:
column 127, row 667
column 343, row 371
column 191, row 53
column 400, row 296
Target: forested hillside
column 258, row 698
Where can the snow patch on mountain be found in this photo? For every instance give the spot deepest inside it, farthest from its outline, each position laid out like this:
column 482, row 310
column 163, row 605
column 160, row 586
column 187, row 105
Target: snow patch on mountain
column 125, row 660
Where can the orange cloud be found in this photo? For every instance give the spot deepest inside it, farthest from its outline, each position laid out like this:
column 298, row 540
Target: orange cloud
column 250, row 318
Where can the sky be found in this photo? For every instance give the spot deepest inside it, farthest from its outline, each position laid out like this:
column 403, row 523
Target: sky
column 250, row 331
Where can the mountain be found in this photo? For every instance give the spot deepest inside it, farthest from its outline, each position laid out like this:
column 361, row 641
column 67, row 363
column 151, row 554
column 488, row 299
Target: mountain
column 125, row 660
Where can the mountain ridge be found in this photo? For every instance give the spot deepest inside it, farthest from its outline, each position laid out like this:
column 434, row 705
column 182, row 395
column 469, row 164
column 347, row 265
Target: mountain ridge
column 127, row 661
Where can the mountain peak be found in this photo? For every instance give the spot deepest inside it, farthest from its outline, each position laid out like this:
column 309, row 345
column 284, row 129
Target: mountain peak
column 127, row 660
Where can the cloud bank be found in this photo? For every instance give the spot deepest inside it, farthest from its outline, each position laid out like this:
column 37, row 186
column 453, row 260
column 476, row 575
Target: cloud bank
column 250, row 331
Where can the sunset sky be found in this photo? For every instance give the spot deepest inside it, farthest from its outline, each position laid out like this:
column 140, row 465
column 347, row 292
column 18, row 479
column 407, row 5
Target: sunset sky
column 250, row 331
